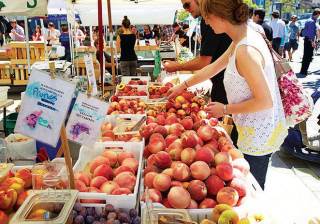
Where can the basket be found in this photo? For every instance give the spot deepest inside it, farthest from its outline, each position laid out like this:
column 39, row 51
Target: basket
column 11, row 120
column 4, row 93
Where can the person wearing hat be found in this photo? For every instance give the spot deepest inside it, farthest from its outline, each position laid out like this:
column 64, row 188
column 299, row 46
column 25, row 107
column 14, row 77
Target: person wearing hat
column 294, row 36
column 278, row 29
column 53, row 34
column 310, row 35
column 17, row 32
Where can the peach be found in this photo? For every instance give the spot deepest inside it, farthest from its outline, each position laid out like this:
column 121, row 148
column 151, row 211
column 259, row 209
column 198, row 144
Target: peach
column 21, row 198
column 189, row 139
column 166, row 203
column 197, row 190
column 188, row 155
column 146, row 131
column 218, row 210
column 163, row 160
column 207, row 203
column 80, row 186
column 153, row 195
column 222, row 140
column 97, row 162
column 214, row 144
column 225, row 171
column 8, row 199
column 126, row 179
column 187, row 123
column 235, row 153
column 108, row 187
column 132, row 163
column 193, row 204
column 240, row 186
column 26, row 176
column 156, row 144
column 161, row 130
column 160, row 119
column 98, row 181
column 151, row 161
column 242, row 165
column 181, row 172
column 228, row 195
column 229, row 216
column 112, row 156
column 162, row 182
column 121, row 169
column 175, row 163
column 176, row 184
column 121, row 190
column 180, row 99
column 222, row 157
column 204, row 155
column 226, row 148
column 200, row 170
column 168, row 171
column 150, row 168
column 148, row 179
column 83, row 177
column 104, row 171
column 175, row 150
column 124, row 155
column 4, row 219
column 214, row 185
column 170, row 139
column 205, row 133
column 176, row 129
column 108, row 134
column 14, row 183
column 171, row 119
column 179, row 197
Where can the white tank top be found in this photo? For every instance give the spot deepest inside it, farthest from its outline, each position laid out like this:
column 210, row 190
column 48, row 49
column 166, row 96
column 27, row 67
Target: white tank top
column 262, row 132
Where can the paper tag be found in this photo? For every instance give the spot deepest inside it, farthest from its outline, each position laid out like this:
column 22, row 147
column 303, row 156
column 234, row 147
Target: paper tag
column 44, row 107
column 142, row 43
column 86, row 119
column 90, row 73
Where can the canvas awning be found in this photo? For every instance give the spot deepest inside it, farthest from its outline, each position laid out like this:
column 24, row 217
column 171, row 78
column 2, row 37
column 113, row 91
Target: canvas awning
column 23, row 8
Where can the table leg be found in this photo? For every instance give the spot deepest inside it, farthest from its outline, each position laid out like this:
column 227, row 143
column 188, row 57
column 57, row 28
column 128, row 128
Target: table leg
column 4, row 121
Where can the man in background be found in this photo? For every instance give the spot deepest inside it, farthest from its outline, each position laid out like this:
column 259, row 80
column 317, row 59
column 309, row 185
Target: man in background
column 53, row 34
column 17, row 32
column 278, row 28
column 258, row 17
column 294, row 36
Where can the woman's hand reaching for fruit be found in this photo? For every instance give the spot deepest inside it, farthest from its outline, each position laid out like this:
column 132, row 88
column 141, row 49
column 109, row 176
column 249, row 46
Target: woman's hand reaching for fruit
column 215, row 109
column 175, row 91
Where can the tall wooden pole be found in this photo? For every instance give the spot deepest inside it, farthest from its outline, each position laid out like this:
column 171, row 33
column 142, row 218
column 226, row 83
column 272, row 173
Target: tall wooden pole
column 101, row 43
column 111, row 47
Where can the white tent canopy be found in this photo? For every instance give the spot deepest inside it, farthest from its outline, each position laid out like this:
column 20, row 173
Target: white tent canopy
column 23, row 8
column 143, row 12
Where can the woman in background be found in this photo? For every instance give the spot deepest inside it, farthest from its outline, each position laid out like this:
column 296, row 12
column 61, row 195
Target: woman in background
column 37, row 35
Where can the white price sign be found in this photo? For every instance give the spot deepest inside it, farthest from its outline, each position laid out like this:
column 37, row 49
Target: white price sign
column 90, row 73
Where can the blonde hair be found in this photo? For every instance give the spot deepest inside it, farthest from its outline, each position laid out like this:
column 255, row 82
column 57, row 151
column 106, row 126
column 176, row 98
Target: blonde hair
column 234, row 11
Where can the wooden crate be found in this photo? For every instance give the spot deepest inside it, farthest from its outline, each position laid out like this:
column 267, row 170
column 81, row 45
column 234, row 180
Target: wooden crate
column 81, row 68
column 5, row 72
column 19, row 61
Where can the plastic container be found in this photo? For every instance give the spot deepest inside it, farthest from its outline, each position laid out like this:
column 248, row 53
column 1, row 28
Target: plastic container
column 11, row 120
column 44, row 207
column 4, row 93
column 3, row 151
column 4, row 170
column 87, row 154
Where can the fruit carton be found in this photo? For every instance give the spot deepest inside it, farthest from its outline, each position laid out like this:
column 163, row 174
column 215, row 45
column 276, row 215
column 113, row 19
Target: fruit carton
column 135, row 80
column 88, row 154
column 123, row 90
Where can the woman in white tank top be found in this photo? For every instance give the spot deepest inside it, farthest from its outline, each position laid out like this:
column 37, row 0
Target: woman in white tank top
column 250, row 83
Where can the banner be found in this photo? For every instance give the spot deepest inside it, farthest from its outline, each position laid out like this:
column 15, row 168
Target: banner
column 23, row 7
column 86, row 119
column 44, row 107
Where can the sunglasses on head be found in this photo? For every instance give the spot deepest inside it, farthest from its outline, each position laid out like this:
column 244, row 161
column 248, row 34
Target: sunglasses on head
column 186, row 5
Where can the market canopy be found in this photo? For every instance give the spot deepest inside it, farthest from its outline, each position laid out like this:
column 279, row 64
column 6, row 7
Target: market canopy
column 143, row 12
column 23, row 7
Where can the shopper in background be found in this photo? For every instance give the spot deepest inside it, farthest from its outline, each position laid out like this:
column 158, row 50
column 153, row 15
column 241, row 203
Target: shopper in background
column 135, row 31
column 79, row 36
column 250, row 82
column 53, row 34
column 278, row 28
column 107, row 57
column 284, row 46
column 294, row 36
column 177, row 31
column 310, row 34
column 147, row 33
column 167, row 32
column 156, row 32
column 258, row 17
column 255, row 26
column 17, row 32
column 64, row 39
column 126, row 41
column 37, row 34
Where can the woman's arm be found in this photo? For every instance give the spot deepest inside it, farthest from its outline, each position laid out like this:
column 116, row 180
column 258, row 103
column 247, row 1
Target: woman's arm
column 118, row 42
column 205, row 73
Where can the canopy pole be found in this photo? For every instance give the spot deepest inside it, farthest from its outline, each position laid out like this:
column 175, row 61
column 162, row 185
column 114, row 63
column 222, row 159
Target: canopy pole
column 111, row 41
column 28, row 44
column 101, row 44
column 43, row 31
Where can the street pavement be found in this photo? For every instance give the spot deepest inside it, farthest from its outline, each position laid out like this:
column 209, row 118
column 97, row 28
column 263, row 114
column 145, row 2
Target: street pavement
column 292, row 192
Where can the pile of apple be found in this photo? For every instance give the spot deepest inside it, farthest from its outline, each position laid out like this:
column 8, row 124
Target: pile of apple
column 193, row 169
column 186, row 104
column 127, row 90
column 13, row 192
column 159, row 91
column 113, row 172
column 126, row 106
column 107, row 134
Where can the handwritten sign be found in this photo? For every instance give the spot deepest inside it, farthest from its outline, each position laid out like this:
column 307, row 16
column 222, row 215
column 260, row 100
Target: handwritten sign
column 86, row 119
column 90, row 73
column 44, row 107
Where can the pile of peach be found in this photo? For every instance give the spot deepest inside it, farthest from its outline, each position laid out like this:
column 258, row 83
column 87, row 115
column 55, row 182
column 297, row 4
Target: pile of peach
column 126, row 106
column 107, row 134
column 13, row 192
column 193, row 169
column 113, row 172
column 159, row 91
column 127, row 90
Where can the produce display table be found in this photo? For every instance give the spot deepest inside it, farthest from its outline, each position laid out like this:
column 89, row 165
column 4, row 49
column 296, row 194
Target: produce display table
column 4, row 105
